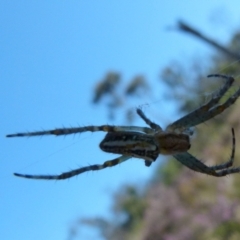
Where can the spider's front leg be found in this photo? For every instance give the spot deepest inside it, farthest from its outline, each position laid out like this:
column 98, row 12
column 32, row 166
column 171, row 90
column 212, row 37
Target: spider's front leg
column 78, row 171
column 74, row 130
column 92, row 128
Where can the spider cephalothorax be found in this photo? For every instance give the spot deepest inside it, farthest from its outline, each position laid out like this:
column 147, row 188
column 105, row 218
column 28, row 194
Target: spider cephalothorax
column 148, row 142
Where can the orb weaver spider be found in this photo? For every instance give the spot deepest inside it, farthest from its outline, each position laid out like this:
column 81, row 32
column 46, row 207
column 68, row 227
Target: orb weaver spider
column 148, row 142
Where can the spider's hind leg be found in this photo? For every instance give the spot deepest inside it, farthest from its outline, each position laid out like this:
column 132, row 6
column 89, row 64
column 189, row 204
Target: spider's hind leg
column 207, row 111
column 224, row 169
column 229, row 163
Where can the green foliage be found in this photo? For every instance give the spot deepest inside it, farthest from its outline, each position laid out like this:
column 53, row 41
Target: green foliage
column 227, row 230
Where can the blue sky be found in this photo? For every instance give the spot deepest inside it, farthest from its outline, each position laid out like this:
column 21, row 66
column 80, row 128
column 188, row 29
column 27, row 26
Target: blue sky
column 52, row 55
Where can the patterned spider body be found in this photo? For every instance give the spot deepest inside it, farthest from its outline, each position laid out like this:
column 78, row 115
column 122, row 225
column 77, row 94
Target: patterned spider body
column 145, row 146
column 148, row 142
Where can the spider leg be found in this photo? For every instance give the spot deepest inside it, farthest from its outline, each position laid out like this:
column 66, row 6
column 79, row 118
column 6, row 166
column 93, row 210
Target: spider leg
column 229, row 163
column 74, row 130
column 225, row 168
column 153, row 125
column 78, row 171
column 227, row 171
column 205, row 112
column 216, row 110
column 193, row 163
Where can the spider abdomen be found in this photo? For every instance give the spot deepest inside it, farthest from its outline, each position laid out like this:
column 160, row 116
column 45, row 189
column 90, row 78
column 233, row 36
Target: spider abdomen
column 133, row 144
column 172, row 143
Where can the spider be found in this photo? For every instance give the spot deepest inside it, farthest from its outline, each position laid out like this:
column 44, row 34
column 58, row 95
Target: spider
column 148, row 142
